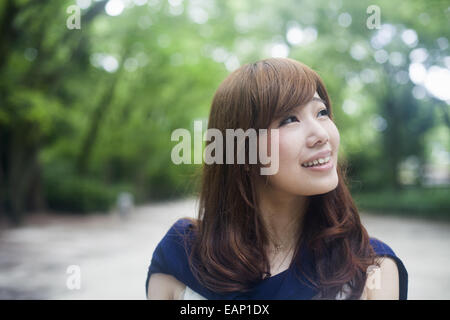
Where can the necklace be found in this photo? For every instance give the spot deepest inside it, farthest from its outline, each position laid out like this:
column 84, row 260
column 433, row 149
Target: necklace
column 277, row 245
column 275, row 267
column 278, row 248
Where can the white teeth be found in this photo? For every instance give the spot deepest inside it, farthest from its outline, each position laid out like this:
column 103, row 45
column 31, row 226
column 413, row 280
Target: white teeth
column 316, row 162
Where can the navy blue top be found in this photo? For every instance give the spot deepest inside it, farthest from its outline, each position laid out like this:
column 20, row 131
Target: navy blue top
column 170, row 257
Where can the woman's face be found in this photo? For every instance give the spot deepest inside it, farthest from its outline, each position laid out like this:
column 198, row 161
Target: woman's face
column 305, row 132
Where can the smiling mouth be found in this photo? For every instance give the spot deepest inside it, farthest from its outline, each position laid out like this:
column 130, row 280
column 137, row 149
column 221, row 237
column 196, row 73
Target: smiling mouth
column 317, row 162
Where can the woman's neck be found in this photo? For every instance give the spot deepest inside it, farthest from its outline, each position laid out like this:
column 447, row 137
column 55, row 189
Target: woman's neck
column 282, row 215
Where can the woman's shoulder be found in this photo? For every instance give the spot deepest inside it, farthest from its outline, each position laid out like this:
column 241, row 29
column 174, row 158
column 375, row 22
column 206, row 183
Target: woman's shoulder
column 382, row 249
column 179, row 234
column 170, row 256
column 183, row 225
column 175, row 243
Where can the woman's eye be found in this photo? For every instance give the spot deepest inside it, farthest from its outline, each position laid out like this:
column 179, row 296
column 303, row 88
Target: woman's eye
column 326, row 112
column 285, row 121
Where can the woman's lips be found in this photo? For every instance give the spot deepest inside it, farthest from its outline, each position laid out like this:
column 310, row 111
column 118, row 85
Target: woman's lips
column 323, row 167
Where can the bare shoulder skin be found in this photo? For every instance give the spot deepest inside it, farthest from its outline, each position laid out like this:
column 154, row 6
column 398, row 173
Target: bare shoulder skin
column 165, row 287
column 386, row 286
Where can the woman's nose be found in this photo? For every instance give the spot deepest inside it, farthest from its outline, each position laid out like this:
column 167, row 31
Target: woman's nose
column 317, row 134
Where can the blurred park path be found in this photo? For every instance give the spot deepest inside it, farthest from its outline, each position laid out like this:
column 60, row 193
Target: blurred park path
column 114, row 253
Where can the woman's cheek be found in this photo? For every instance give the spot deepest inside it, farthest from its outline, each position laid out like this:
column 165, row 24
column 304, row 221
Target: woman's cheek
column 335, row 137
column 288, row 147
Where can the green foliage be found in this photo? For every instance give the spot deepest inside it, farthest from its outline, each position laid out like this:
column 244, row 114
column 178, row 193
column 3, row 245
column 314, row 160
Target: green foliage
column 78, row 194
column 68, row 192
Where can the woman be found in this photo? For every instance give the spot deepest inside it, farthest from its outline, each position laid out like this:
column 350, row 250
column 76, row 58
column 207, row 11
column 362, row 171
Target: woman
column 295, row 234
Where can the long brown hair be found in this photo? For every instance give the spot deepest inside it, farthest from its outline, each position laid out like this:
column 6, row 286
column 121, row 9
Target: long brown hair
column 228, row 252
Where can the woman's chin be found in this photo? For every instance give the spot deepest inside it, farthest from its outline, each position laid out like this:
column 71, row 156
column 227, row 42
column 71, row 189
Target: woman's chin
column 320, row 188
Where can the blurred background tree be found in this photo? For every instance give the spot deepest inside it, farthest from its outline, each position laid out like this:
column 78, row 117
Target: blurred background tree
column 88, row 113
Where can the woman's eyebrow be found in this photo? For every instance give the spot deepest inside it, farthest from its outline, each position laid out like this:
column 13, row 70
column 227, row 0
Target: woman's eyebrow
column 297, row 107
column 318, row 100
